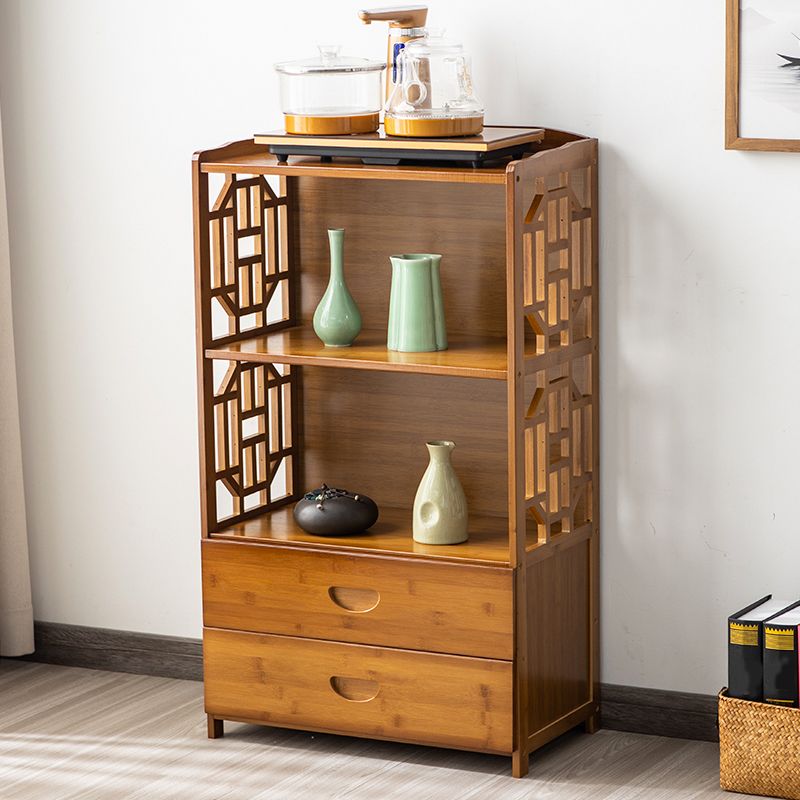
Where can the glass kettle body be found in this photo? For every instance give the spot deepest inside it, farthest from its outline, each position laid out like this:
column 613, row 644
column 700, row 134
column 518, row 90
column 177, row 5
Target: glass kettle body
column 433, row 95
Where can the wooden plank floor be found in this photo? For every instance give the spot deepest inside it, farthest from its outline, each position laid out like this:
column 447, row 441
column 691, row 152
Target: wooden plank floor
column 91, row 735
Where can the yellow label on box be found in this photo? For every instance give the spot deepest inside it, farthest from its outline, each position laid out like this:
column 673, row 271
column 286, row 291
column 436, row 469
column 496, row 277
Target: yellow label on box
column 778, row 638
column 746, row 635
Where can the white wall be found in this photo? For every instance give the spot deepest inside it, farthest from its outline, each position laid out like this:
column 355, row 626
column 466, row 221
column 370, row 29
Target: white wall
column 103, row 103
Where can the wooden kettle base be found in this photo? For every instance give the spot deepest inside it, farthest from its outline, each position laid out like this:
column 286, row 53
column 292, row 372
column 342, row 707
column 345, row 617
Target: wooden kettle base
column 432, row 127
column 306, row 125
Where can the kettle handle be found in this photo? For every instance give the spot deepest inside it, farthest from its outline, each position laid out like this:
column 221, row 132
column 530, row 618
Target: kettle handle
column 422, row 92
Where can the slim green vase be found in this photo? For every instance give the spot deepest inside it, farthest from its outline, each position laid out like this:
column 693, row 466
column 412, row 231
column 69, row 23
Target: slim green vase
column 337, row 320
column 416, row 309
column 440, row 507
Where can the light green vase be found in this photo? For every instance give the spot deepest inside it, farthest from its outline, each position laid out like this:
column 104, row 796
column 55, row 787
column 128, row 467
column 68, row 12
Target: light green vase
column 337, row 320
column 416, row 310
column 440, row 507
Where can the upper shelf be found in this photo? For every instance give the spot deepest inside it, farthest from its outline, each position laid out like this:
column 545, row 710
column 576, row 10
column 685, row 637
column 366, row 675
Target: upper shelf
column 466, row 356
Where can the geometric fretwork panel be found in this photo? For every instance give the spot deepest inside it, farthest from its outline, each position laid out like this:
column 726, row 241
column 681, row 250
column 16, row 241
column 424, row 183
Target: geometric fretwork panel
column 253, row 437
column 558, row 449
column 249, row 264
column 557, row 261
column 556, row 309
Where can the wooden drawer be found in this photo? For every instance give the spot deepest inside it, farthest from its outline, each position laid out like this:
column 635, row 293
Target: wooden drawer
column 377, row 692
column 446, row 608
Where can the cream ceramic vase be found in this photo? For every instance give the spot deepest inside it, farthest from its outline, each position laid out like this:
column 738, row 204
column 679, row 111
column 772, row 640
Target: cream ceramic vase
column 440, row 507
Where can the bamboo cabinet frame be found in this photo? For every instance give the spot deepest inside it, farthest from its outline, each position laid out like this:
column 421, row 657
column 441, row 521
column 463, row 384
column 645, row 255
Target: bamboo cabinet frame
column 510, row 618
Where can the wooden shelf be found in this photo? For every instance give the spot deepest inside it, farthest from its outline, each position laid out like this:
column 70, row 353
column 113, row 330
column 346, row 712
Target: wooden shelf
column 521, row 247
column 263, row 163
column 466, row 356
column 391, row 535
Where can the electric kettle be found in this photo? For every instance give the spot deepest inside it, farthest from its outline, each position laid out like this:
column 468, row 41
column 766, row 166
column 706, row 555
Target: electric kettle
column 433, row 94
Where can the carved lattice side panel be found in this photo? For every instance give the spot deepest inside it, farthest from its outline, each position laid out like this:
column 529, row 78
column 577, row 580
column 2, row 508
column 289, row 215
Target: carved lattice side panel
column 557, row 261
column 249, row 280
column 555, row 220
column 559, row 449
column 254, row 450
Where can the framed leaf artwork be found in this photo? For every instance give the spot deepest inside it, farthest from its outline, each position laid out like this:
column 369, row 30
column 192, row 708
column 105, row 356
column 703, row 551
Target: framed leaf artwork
column 762, row 97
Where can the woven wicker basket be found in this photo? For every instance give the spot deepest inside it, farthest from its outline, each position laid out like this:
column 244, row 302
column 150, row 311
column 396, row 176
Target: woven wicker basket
column 759, row 748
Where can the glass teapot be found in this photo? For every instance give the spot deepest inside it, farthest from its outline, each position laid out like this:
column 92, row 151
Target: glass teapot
column 331, row 94
column 433, row 95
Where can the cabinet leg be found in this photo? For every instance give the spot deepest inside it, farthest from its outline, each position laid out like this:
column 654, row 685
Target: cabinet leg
column 215, row 728
column 592, row 724
column 519, row 764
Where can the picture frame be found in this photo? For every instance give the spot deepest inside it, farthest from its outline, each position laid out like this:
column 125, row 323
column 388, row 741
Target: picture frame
column 734, row 140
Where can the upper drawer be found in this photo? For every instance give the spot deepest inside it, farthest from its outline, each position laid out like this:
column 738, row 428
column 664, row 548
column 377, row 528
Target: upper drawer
column 419, row 605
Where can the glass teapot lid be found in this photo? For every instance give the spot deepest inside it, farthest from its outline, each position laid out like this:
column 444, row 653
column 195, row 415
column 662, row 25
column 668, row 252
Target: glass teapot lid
column 329, row 61
column 433, row 44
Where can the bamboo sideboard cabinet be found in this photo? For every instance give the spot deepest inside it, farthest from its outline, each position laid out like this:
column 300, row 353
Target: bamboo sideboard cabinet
column 490, row 645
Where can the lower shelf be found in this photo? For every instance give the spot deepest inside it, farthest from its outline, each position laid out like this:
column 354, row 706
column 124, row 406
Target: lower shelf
column 391, row 535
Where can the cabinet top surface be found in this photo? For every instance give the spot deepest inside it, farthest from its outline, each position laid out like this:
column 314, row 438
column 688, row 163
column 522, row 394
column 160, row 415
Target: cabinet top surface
column 261, row 162
column 253, row 157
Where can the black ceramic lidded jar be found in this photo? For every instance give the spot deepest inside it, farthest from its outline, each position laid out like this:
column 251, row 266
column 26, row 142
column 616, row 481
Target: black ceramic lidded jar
column 335, row 512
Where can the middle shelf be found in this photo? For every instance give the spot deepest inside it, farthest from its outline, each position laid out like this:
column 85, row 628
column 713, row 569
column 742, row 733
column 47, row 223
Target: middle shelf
column 468, row 356
column 391, row 535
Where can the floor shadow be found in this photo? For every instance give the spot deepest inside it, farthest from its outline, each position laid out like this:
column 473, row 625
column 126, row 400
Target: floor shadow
column 332, row 744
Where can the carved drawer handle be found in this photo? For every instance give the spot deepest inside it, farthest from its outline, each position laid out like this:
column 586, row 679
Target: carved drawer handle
column 357, row 690
column 356, row 600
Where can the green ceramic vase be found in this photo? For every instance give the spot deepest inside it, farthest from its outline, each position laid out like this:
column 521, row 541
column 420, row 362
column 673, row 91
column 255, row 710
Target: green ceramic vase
column 337, row 320
column 416, row 309
column 440, row 507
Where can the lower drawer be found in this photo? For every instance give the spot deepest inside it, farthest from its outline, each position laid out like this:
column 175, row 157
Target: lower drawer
column 426, row 698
